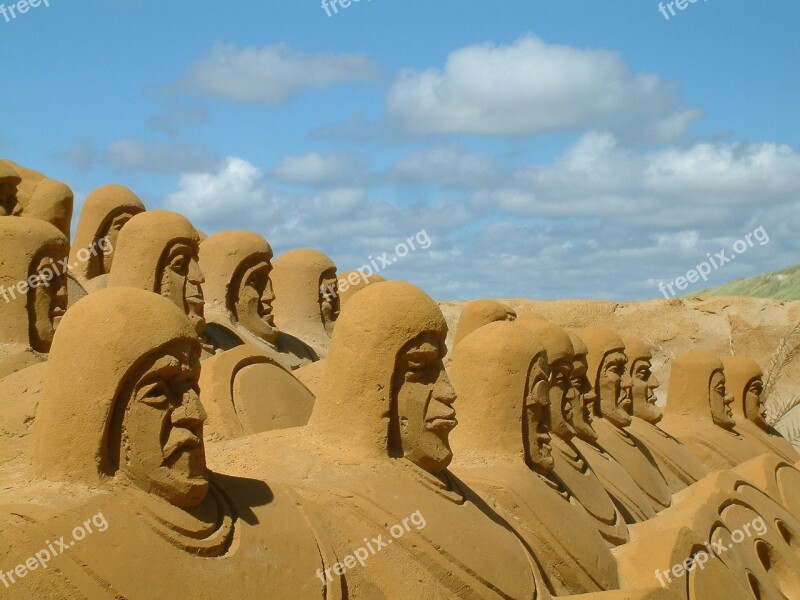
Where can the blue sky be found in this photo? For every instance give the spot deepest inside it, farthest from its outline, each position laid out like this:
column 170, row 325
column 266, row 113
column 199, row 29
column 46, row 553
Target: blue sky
column 549, row 149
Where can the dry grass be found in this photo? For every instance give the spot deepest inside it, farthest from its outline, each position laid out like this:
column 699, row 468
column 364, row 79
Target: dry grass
column 731, row 330
column 657, row 349
column 785, row 353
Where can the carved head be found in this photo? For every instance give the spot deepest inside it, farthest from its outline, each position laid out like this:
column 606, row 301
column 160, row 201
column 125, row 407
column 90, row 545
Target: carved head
column 501, row 373
column 307, row 297
column 697, row 389
column 50, row 201
column 351, row 282
column 644, row 382
column 478, row 313
column 105, row 211
column 47, row 299
column 157, row 431
column 33, row 279
column 121, row 399
column 745, row 380
column 385, row 391
column 237, row 266
column 329, row 301
column 564, row 400
column 158, row 251
column 423, row 403
column 608, row 374
column 582, row 416
column 9, row 181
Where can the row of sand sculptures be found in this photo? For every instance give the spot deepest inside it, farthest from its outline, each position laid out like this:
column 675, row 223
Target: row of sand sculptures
column 218, row 472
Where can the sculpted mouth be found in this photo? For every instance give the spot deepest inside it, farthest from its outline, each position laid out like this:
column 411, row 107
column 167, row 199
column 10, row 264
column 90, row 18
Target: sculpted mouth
column 265, row 313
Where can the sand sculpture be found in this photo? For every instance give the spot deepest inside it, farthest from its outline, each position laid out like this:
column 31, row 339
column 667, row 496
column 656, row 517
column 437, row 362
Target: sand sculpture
column 158, row 251
column 246, row 391
column 478, row 313
column 103, row 215
column 744, row 381
column 355, row 281
column 612, row 386
column 33, row 290
column 230, row 477
column 307, row 299
column 699, row 413
column 626, row 494
column 569, row 391
column 676, row 462
column 502, row 450
column 9, row 182
column 119, row 435
column 571, row 467
column 376, row 451
column 238, row 292
column 24, row 192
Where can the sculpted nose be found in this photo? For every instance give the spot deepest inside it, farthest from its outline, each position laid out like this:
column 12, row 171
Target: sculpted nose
column 443, row 390
column 269, row 293
column 190, row 412
column 626, row 380
column 653, row 382
column 196, row 273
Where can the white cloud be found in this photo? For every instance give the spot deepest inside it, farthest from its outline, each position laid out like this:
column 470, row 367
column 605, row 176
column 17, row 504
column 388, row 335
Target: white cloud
column 137, row 155
column 600, row 221
column 134, row 154
column 175, row 116
column 319, row 169
column 270, row 75
column 449, row 166
column 531, row 87
column 668, row 188
column 233, row 193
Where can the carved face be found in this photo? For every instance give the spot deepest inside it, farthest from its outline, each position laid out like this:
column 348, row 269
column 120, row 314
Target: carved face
column 754, row 406
column 161, row 447
column 536, row 420
column 182, row 281
column 424, row 402
column 253, row 301
column 8, row 198
column 111, row 232
column 563, row 399
column 644, row 399
column 720, row 402
column 329, row 299
column 47, row 301
column 613, row 388
column 582, row 418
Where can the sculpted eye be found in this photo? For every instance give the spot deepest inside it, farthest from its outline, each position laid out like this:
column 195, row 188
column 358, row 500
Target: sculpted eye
column 153, row 394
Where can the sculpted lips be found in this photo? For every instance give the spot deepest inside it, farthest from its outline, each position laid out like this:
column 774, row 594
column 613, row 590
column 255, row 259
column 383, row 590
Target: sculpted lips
column 266, row 313
column 442, row 423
